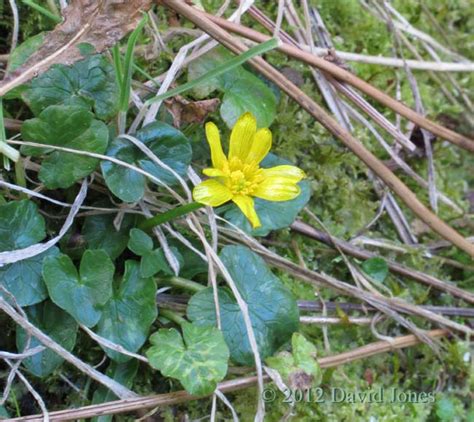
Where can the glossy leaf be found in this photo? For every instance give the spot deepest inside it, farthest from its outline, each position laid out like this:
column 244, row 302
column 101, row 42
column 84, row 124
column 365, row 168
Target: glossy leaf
column 24, row 280
column 21, row 225
column 65, row 126
column 273, row 215
column 198, row 359
column 55, row 323
column 88, row 83
column 128, row 315
column 248, row 93
column 100, row 232
column 80, row 294
column 140, row 243
column 273, row 309
column 152, row 260
column 243, row 91
column 166, row 142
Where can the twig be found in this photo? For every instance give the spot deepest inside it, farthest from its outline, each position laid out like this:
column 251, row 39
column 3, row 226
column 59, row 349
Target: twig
column 334, row 321
column 410, row 199
column 130, row 405
column 179, row 303
column 345, row 76
column 33, row 392
column 309, row 231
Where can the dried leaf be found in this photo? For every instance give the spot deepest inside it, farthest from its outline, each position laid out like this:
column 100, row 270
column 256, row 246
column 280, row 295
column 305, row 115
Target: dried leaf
column 99, row 23
column 185, row 111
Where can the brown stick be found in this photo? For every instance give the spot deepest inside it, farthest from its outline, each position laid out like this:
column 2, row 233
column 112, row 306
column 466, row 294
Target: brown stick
column 393, row 182
column 351, row 79
column 130, row 405
column 346, row 247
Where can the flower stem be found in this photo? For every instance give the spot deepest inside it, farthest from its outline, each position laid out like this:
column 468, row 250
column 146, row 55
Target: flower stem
column 172, row 316
column 184, row 283
column 158, row 219
column 20, row 177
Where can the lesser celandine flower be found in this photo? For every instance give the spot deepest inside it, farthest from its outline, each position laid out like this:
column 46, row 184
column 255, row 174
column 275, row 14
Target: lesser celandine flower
column 239, row 177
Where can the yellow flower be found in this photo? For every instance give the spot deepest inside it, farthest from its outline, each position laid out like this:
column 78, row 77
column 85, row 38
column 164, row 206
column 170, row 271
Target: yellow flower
column 238, row 177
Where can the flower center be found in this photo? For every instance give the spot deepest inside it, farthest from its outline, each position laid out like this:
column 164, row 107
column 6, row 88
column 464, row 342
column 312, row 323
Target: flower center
column 242, row 178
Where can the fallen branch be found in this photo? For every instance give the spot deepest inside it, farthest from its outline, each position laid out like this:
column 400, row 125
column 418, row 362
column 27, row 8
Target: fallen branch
column 130, row 405
column 391, row 180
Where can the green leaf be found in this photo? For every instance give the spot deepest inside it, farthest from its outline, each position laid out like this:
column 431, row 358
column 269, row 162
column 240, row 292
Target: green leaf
column 166, row 142
column 153, row 260
column 21, row 54
column 83, row 294
column 376, row 268
column 21, row 225
column 128, row 315
column 300, row 370
column 18, row 57
column 123, row 373
column 55, row 323
column 272, row 308
column 140, row 243
column 248, row 93
column 198, row 359
column 89, row 83
column 24, row 280
column 100, row 232
column 243, row 91
column 65, row 126
column 192, row 264
column 273, row 215
column 445, row 409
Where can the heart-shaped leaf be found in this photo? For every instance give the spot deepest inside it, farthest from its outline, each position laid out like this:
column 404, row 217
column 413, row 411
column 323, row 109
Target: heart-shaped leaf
column 24, row 280
column 273, row 215
column 153, row 260
column 166, row 142
column 21, row 225
column 128, row 315
column 248, row 93
column 243, row 91
column 88, row 83
column 376, row 268
column 272, row 308
column 80, row 294
column 198, row 359
column 65, row 126
column 100, row 232
column 55, row 323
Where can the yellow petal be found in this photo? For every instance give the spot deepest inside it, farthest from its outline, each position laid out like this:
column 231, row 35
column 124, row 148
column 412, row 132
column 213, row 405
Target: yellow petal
column 214, row 139
column 289, row 172
column 261, row 144
column 277, row 189
column 246, row 205
column 242, row 135
column 211, row 192
column 212, row 172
